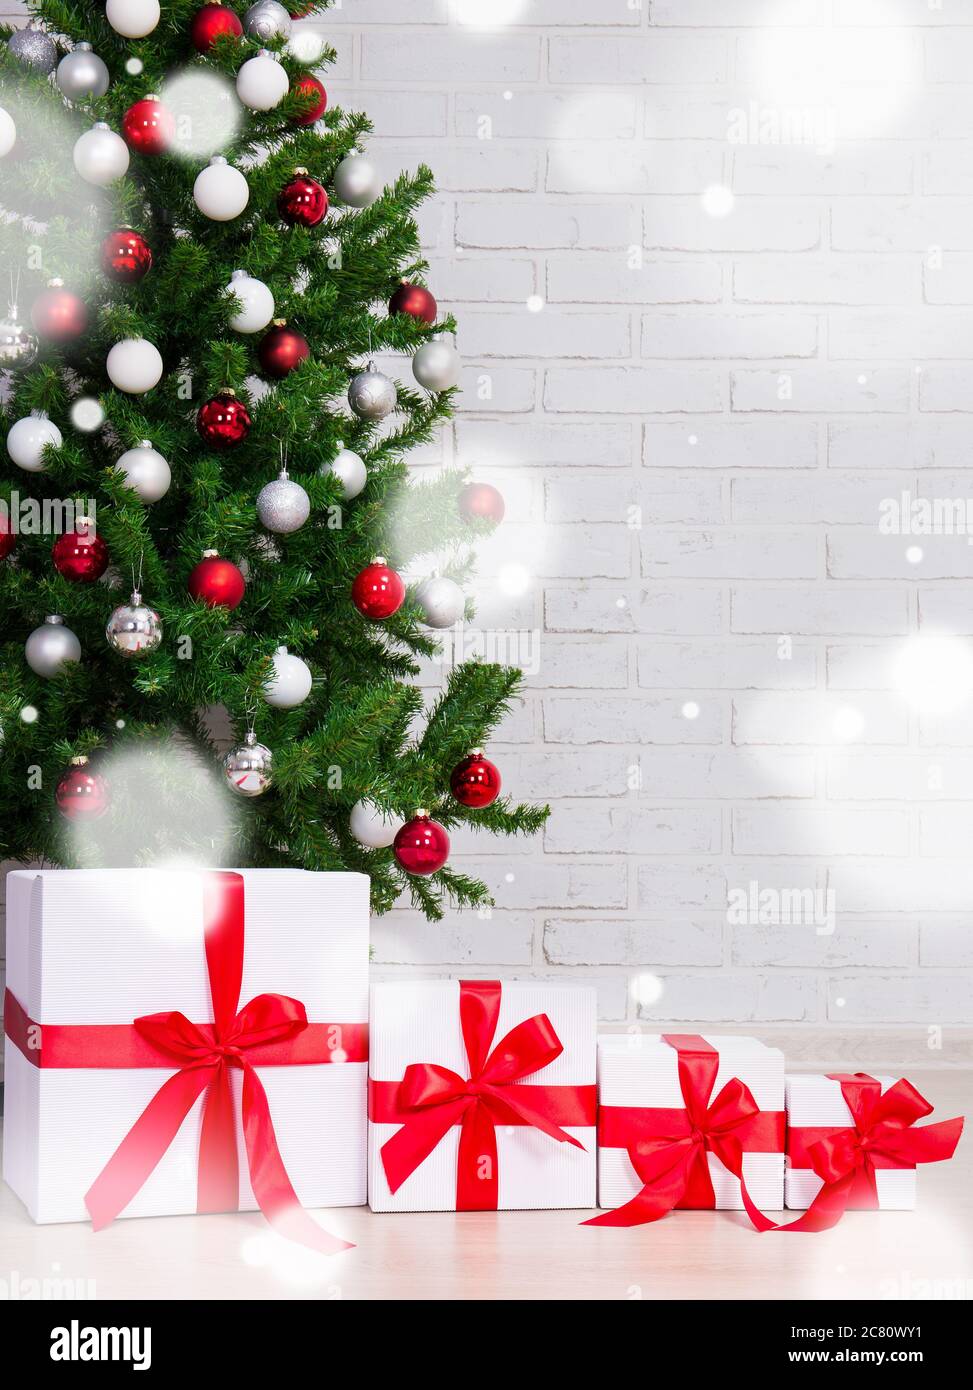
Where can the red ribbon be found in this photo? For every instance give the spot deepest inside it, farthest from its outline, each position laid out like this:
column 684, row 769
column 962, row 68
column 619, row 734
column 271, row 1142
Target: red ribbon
column 271, row 1029
column 430, row 1099
column 668, row 1148
column 846, row 1158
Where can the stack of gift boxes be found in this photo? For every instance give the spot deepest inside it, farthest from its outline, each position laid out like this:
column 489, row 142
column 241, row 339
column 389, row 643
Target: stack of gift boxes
column 206, row 1041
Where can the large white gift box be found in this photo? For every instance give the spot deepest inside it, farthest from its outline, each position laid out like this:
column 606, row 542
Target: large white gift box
column 89, row 949
column 641, row 1098
column 461, row 1115
column 816, row 1106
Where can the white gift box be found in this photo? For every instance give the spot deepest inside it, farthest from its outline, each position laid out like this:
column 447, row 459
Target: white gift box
column 107, row 946
column 419, row 1022
column 640, row 1071
column 815, row 1101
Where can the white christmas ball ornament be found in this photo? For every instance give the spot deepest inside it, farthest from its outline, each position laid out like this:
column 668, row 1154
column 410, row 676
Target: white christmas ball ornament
column 372, row 394
column 220, row 191
column 82, row 74
column 373, row 828
column 8, row 132
column 441, row 601
column 50, row 647
column 267, row 20
column 356, row 181
column 436, row 365
column 289, row 684
column 283, row 506
column 262, row 82
column 350, row 471
column 28, row 438
column 257, row 301
column 133, row 19
column 134, row 365
column 146, row 472
column 100, row 156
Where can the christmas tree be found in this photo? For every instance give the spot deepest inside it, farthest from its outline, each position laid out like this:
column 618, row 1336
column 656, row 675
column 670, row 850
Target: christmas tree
column 203, row 260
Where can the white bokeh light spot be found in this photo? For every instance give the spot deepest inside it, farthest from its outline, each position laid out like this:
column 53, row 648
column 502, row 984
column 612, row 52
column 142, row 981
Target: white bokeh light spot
column 647, row 989
column 914, row 554
column 206, row 111
column 690, row 710
column 535, row 303
column 934, row 672
column 717, row 201
column 848, row 723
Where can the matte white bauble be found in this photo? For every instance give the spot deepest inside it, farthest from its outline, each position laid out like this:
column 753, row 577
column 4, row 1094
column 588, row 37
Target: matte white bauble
column 289, row 684
column 436, row 365
column 8, row 132
column 262, row 82
column 28, row 438
column 100, row 156
column 350, row 471
column 134, row 365
column 257, row 303
column 50, row 647
column 441, row 600
column 356, row 181
column 133, row 19
column 146, row 472
column 371, row 827
column 220, row 191
column 81, row 74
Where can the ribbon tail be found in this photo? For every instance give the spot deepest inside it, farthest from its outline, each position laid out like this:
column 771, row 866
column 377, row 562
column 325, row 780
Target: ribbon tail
column 268, row 1177
column 144, row 1145
column 415, row 1141
column 218, row 1175
column 825, row 1211
column 533, row 1114
column 656, row 1199
column 477, row 1176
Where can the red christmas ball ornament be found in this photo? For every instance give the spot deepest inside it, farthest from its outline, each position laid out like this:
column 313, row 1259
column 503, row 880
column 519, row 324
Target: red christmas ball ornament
column 378, row 591
column 475, row 782
column 281, row 349
column 297, row 9
column 81, row 794
column 415, row 300
column 481, row 502
column 80, row 555
column 422, row 845
column 223, row 421
column 148, row 126
column 312, row 91
column 302, row 201
column 8, row 538
column 216, row 581
column 211, row 23
column 126, row 256
column 59, row 314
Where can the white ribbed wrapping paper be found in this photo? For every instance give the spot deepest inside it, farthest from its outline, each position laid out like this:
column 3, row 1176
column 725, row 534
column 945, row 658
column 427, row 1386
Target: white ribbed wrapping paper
column 419, row 1021
column 640, row 1070
column 106, row 946
column 816, row 1100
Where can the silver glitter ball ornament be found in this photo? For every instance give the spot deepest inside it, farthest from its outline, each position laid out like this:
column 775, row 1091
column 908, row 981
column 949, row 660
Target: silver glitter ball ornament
column 35, row 49
column 372, row 395
column 267, row 20
column 81, row 74
column 436, row 365
column 283, row 506
column 50, row 647
column 18, row 346
column 356, row 181
column 249, row 767
column 441, row 600
column 134, row 629
column 349, row 469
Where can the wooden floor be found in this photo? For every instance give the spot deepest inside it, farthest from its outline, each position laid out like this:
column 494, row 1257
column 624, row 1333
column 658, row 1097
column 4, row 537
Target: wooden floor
column 525, row 1255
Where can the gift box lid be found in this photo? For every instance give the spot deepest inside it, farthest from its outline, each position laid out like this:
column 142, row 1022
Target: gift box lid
column 642, row 1069
column 814, row 1099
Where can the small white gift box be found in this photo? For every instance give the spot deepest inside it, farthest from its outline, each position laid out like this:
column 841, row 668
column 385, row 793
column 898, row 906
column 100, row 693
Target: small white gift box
column 816, row 1108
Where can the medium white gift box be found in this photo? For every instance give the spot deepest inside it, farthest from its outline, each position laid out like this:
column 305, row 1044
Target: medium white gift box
column 639, row 1072
column 90, row 948
column 815, row 1102
column 412, row 1023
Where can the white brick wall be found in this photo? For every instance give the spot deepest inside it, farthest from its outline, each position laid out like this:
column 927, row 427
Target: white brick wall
column 694, row 432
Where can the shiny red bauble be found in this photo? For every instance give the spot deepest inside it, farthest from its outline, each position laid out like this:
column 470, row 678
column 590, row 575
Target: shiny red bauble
column 297, row 9
column 8, row 538
column 223, row 421
column 422, row 845
column 148, row 126
column 59, row 315
column 415, row 300
column 481, row 502
column 313, row 93
column 211, row 23
column 475, row 782
column 126, row 256
column 81, row 555
column 217, row 582
column 378, row 591
column 302, row 202
column 81, row 794
column 281, row 349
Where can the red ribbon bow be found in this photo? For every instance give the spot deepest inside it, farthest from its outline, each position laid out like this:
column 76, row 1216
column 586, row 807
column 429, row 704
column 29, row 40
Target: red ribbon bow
column 271, row 1029
column 430, row 1099
column 846, row 1159
column 668, row 1148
